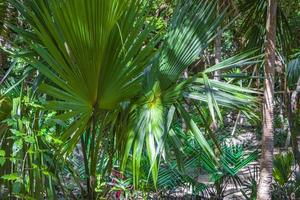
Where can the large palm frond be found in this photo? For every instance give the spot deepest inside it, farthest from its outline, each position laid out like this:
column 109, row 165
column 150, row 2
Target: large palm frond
column 93, row 52
column 99, row 59
column 191, row 29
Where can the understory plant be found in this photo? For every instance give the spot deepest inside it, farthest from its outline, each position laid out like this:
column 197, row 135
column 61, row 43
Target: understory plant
column 287, row 180
column 114, row 89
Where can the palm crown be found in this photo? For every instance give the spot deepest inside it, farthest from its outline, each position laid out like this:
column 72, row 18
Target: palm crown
column 105, row 71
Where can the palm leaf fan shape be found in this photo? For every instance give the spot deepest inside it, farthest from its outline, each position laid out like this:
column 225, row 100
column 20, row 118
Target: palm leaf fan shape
column 99, row 57
column 192, row 28
column 93, row 53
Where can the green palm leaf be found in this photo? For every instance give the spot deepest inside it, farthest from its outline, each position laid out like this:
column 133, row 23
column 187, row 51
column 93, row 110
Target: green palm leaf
column 293, row 70
column 99, row 57
column 192, row 29
column 93, row 52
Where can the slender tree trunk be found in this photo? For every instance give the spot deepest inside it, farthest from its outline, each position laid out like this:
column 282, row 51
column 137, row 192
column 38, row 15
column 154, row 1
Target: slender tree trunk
column 218, row 46
column 86, row 166
column 264, row 187
column 284, row 101
column 218, row 52
column 218, row 57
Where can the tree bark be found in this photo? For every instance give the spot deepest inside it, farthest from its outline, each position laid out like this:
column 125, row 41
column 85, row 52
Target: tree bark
column 266, row 165
column 218, row 46
column 218, row 58
column 295, row 97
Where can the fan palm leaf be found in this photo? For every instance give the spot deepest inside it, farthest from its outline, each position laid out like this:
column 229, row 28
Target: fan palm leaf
column 92, row 51
column 100, row 58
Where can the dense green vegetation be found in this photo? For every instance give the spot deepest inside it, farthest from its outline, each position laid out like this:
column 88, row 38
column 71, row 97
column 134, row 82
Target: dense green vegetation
column 160, row 99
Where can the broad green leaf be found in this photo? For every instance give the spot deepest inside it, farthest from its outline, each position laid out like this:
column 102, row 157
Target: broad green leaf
column 12, row 177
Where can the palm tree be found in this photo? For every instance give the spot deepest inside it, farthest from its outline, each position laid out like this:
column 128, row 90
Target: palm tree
column 117, row 94
column 263, row 192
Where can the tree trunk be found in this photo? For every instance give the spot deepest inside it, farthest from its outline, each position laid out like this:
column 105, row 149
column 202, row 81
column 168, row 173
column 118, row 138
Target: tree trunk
column 266, row 165
column 218, row 58
column 218, row 46
column 218, row 52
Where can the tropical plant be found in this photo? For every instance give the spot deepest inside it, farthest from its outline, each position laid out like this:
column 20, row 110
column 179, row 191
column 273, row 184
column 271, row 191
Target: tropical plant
column 190, row 169
column 29, row 169
column 255, row 32
column 250, row 183
column 226, row 174
column 287, row 183
column 293, row 83
column 113, row 90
